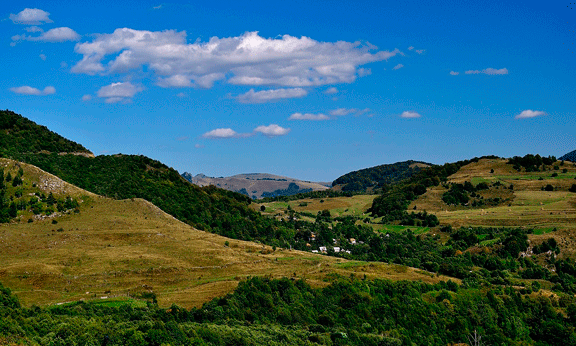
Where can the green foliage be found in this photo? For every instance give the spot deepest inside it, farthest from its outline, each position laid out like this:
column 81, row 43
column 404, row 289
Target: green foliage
column 20, row 135
column 571, row 156
column 292, row 189
column 286, row 312
column 378, row 176
column 394, row 201
column 530, row 163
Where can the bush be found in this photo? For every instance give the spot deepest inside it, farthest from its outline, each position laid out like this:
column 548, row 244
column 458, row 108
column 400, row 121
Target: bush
column 572, row 188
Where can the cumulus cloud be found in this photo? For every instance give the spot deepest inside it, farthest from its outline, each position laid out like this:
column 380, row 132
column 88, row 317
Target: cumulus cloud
column 220, row 133
column 248, row 59
column 31, row 16
column 181, row 95
column 86, row 97
column 488, row 71
column 529, row 114
column 43, row 57
column 454, row 73
column 331, row 91
column 397, row 67
column 308, row 116
column 270, row 95
column 53, row 35
column 117, row 92
column 411, row 48
column 420, row 51
column 27, row 90
column 198, row 146
column 272, row 130
column 410, row 114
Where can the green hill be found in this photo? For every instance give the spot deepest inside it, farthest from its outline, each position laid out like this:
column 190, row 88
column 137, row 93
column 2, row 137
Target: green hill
column 129, row 176
column 375, row 177
column 571, row 156
column 20, row 135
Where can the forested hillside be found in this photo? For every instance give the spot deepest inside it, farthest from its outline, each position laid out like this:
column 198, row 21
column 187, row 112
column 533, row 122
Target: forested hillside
column 129, row 176
column 286, row 312
column 20, row 135
column 571, row 156
column 376, row 177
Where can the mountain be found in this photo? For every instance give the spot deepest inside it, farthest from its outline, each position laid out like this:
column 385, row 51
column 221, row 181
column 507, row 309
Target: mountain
column 258, row 185
column 130, row 176
column 374, row 177
column 132, row 249
column 571, row 156
column 20, row 135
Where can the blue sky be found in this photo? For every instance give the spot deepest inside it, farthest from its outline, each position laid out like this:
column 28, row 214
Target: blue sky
column 307, row 89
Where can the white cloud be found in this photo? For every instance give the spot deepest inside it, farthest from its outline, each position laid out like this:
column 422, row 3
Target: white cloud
column 331, row 91
column 182, row 138
column 198, row 146
column 308, row 116
column 86, row 97
column 181, row 95
column 53, row 35
column 495, row 71
column 342, row 111
column 397, row 67
column 454, row 73
column 33, row 29
column 27, row 90
column 410, row 114
column 31, row 16
column 158, row 7
column 248, row 59
column 270, row 95
column 489, row 71
column 529, row 114
column 364, row 72
column 43, row 57
column 63, row 64
column 221, row 133
column 117, row 92
column 420, row 51
column 272, row 130
column 411, row 47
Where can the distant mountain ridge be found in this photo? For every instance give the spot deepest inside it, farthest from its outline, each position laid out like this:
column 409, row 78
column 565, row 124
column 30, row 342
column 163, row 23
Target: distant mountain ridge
column 258, row 185
column 571, row 156
column 374, row 177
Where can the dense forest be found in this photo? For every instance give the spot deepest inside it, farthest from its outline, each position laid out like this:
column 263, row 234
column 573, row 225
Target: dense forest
column 379, row 175
column 20, row 135
column 350, row 311
column 571, row 156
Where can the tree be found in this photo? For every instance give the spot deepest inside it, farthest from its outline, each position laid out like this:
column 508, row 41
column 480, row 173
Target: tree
column 475, row 339
column 572, row 188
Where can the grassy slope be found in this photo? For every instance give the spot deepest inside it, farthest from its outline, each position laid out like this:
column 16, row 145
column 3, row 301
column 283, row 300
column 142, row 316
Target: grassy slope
column 122, row 246
column 529, row 205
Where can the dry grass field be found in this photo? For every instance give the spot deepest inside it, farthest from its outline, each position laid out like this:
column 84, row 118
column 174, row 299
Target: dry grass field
column 114, row 248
